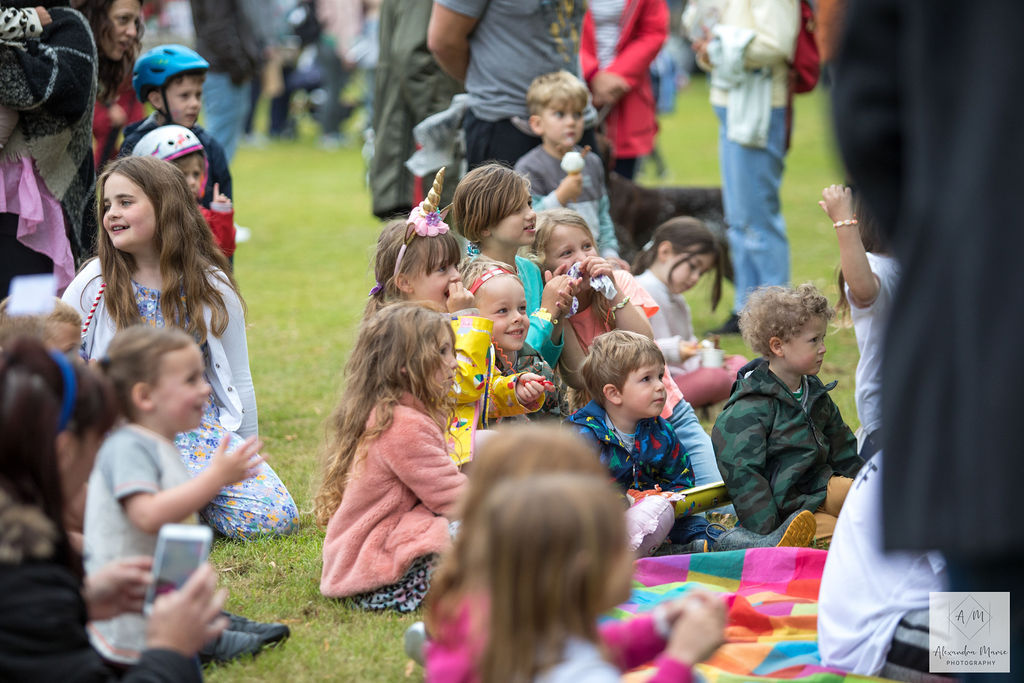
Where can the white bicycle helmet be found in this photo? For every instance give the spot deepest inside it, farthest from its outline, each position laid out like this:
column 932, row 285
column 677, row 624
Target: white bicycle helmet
column 168, row 143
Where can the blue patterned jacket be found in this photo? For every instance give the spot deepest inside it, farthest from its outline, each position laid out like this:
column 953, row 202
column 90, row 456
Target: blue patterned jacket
column 657, row 459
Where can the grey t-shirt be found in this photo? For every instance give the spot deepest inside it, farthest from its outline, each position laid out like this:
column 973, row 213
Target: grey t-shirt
column 514, row 42
column 132, row 460
column 545, row 173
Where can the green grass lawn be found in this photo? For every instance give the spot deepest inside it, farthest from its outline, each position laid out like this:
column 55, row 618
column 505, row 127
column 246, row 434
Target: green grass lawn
column 305, row 275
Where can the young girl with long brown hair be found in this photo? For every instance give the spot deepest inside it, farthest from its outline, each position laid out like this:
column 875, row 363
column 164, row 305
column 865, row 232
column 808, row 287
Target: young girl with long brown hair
column 389, row 486
column 158, row 264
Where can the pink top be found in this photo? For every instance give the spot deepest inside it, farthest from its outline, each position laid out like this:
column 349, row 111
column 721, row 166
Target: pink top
column 629, row 644
column 40, row 217
column 394, row 506
column 587, row 325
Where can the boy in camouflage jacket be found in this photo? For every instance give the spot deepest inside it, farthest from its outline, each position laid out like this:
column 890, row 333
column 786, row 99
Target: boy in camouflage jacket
column 781, row 442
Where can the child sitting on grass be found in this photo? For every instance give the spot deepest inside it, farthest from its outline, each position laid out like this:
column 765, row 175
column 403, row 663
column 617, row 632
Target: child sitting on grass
column 456, row 604
column 491, row 209
column 500, row 298
column 679, row 254
column 60, row 330
column 781, row 442
column 552, row 557
column 139, row 482
column 416, row 260
column 624, row 373
column 564, row 242
column 389, row 486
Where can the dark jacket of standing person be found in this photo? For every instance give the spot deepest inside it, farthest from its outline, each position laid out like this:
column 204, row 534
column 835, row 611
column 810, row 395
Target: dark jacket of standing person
column 928, row 120
column 226, row 38
column 410, row 86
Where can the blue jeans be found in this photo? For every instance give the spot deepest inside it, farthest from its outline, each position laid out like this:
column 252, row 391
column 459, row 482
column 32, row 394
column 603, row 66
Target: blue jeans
column 697, row 445
column 225, row 107
column 751, row 177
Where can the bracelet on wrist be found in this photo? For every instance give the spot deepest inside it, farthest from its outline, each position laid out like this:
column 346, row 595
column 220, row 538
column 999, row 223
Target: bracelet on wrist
column 839, row 224
column 617, row 307
column 545, row 314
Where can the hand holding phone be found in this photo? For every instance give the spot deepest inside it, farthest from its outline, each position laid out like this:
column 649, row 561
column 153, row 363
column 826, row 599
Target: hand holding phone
column 180, row 550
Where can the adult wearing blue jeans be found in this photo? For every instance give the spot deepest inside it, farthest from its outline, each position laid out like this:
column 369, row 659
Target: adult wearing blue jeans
column 228, row 39
column 748, row 53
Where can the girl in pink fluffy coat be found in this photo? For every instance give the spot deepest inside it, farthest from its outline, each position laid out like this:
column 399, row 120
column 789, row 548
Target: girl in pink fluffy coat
column 389, row 485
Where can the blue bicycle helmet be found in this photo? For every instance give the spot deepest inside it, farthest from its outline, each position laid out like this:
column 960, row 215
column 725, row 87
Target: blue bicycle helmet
column 156, row 66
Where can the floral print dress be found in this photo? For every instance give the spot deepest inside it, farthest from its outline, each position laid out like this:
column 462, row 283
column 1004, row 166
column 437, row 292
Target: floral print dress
column 257, row 506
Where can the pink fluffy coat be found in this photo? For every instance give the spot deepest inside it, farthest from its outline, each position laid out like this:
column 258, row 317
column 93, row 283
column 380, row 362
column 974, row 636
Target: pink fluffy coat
column 395, row 506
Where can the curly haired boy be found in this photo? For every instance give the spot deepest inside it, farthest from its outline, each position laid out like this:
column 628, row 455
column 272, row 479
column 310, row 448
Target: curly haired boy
column 780, row 441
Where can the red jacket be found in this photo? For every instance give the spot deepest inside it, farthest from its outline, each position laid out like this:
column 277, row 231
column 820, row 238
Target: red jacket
column 222, row 225
column 632, row 124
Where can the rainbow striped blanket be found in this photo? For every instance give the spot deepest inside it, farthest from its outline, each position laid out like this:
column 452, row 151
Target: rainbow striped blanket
column 773, row 611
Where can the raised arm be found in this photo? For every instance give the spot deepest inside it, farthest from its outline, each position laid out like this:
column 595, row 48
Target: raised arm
column 448, row 40
column 837, row 202
column 150, row 511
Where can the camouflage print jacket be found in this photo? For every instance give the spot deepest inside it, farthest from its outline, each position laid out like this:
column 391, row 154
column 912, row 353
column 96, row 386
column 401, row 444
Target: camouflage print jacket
column 657, row 458
column 776, row 455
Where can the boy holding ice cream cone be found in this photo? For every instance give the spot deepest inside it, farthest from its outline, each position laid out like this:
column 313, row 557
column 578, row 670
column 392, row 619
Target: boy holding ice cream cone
column 561, row 173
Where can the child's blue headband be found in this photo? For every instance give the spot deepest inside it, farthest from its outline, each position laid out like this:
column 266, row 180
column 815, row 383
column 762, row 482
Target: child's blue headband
column 67, row 404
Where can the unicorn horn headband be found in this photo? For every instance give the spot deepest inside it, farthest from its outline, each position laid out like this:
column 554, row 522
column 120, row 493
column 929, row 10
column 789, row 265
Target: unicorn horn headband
column 425, row 220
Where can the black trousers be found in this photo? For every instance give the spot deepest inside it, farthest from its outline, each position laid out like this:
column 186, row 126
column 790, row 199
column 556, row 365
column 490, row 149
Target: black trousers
column 501, row 141
column 15, row 258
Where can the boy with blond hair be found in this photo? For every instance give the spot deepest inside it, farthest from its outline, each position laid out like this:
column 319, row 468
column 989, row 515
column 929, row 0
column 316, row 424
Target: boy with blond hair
column 59, row 330
column 624, row 375
column 781, row 442
column 561, row 174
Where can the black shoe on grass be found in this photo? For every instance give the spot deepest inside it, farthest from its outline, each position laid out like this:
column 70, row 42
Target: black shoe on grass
column 230, row 645
column 268, row 632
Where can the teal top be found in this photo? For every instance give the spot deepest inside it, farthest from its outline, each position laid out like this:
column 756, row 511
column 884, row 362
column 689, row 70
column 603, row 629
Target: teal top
column 539, row 336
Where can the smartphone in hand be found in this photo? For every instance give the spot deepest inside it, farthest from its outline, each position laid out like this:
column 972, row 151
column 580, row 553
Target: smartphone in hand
column 180, row 550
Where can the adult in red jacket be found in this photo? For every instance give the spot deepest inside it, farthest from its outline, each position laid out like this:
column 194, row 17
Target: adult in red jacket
column 619, row 74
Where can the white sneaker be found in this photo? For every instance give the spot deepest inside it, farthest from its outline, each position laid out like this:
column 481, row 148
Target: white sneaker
column 415, row 641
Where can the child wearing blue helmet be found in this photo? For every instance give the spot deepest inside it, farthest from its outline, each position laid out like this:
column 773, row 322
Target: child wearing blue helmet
column 170, row 78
